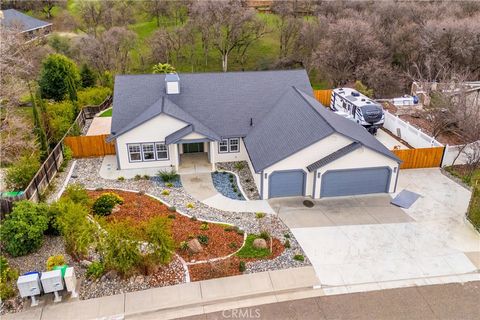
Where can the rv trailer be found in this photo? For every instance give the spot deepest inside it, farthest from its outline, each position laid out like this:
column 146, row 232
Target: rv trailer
column 357, row 107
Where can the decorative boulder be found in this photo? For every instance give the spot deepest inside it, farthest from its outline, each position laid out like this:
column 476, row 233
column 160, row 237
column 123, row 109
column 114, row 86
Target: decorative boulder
column 259, row 243
column 194, row 246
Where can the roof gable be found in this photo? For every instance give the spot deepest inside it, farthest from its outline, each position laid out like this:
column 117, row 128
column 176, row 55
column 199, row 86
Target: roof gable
column 15, row 19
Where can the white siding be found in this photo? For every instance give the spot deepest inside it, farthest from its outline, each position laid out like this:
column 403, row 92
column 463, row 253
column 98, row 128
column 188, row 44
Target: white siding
column 232, row 156
column 154, row 130
column 193, row 136
column 362, row 157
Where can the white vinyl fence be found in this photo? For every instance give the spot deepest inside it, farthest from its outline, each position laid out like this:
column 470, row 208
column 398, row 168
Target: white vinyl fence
column 451, row 152
column 404, row 130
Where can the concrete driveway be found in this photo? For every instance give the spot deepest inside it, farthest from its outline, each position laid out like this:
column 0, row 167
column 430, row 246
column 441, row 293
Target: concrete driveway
column 364, row 242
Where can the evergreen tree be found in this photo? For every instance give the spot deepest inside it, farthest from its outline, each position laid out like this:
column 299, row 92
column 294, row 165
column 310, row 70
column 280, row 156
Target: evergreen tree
column 57, row 70
column 87, row 76
column 38, row 129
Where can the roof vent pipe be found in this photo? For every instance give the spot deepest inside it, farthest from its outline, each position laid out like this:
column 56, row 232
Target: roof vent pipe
column 251, row 122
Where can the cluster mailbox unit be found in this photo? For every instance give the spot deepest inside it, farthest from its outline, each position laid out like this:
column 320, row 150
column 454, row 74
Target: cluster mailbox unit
column 52, row 281
column 29, row 285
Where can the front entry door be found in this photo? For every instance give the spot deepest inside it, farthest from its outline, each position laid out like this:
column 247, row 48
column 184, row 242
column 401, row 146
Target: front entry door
column 193, row 147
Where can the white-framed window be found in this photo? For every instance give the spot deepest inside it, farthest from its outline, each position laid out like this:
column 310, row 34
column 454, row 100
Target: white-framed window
column 223, row 146
column 134, row 153
column 147, row 152
column 234, row 144
column 161, row 151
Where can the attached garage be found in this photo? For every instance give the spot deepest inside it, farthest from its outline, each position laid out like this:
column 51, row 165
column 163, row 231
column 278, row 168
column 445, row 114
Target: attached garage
column 288, row 183
column 355, row 181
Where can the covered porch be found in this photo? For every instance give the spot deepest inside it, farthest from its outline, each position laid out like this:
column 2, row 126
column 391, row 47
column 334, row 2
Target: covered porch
column 194, row 157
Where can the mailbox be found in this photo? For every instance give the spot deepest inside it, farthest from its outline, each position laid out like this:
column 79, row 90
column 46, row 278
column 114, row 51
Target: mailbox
column 71, row 281
column 29, row 285
column 52, row 282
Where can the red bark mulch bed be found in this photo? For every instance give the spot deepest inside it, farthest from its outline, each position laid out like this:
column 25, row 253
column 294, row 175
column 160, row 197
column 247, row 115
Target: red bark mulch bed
column 140, row 208
column 228, row 267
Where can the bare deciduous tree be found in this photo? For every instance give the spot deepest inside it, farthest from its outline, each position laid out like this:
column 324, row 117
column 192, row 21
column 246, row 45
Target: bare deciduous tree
column 110, row 51
column 229, row 25
column 287, row 24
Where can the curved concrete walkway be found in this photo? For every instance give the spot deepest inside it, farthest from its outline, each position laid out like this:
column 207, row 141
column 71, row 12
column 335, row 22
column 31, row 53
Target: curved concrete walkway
column 200, row 186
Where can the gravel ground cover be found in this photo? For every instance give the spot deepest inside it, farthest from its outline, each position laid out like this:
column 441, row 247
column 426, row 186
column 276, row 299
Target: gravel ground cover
column 86, row 172
column 246, row 179
column 226, row 184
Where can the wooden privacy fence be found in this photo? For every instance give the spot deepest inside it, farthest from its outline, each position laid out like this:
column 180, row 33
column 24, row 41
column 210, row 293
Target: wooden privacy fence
column 420, row 158
column 51, row 165
column 90, row 146
column 323, row 96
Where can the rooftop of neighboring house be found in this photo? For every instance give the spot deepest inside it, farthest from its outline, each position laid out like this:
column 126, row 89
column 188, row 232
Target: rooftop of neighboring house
column 11, row 18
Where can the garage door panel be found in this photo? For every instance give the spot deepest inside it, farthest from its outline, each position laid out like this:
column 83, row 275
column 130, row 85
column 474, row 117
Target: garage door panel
column 286, row 183
column 355, row 181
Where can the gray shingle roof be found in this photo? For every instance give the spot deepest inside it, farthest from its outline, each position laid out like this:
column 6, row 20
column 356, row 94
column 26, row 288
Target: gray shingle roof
column 179, row 134
column 223, row 102
column 334, row 156
column 288, row 128
column 16, row 19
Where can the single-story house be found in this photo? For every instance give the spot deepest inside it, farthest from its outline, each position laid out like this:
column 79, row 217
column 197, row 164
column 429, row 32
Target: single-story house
column 293, row 145
column 29, row 26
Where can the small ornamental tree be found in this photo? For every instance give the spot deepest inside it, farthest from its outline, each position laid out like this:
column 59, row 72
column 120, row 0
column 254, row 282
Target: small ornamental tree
column 159, row 234
column 22, row 231
column 87, row 76
column 56, row 73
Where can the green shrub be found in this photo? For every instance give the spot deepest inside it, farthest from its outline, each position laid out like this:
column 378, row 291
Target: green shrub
column 20, row 174
column 60, row 118
column 240, row 232
column 137, row 177
column 171, row 216
column 168, row 176
column 67, row 154
column 203, row 239
column 239, row 195
column 287, row 235
column 53, row 261
column 120, row 248
column 55, row 73
column 159, row 234
column 183, row 245
column 190, row 205
column 95, row 270
column 241, row 266
column 249, row 251
column 239, row 166
column 77, row 194
column 22, row 230
column 121, row 178
column 93, row 96
column 60, row 44
column 172, row 209
column 260, row 215
column 87, row 76
column 287, row 244
column 230, row 228
column 78, row 233
column 166, row 192
column 299, row 257
column 230, row 175
column 8, row 278
column 193, row 218
column 104, row 204
column 146, row 177
column 204, row 226
column 233, row 245
column 168, row 184
column 235, row 189
column 264, row 235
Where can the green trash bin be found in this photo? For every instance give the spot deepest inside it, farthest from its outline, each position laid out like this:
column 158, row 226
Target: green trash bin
column 62, row 269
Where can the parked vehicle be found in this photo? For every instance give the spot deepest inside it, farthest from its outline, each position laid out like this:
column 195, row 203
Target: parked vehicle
column 357, row 107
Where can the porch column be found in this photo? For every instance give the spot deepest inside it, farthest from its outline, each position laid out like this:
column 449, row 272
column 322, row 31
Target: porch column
column 211, row 151
column 176, row 157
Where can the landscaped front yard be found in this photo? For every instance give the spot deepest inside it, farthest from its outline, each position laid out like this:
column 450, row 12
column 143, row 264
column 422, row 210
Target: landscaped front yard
column 133, row 234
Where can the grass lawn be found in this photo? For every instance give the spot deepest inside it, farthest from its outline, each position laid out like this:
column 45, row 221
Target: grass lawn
column 248, row 251
column 474, row 181
column 106, row 113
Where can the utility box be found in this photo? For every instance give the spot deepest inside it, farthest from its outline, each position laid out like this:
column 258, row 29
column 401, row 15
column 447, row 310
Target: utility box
column 52, row 282
column 71, row 281
column 29, row 285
